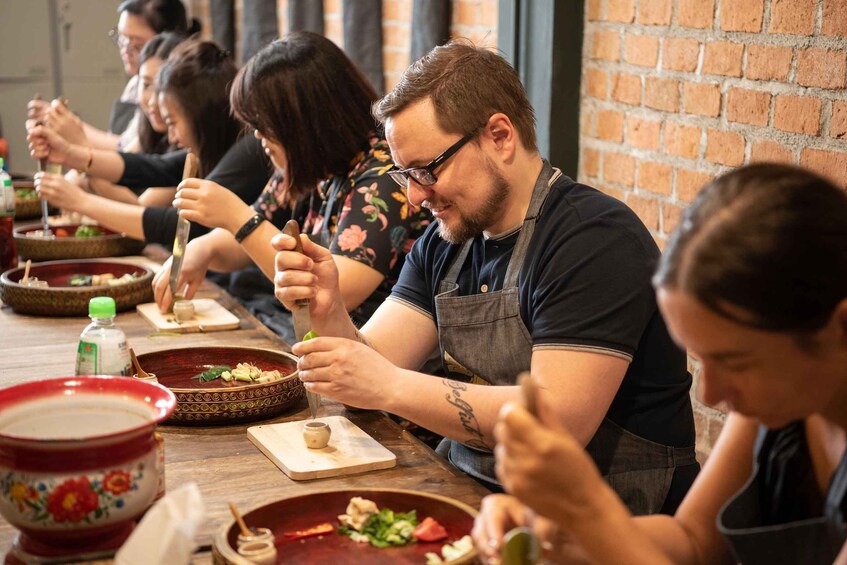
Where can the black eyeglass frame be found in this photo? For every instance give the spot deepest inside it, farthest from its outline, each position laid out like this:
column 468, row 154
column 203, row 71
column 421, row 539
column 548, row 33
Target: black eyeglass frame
column 425, row 176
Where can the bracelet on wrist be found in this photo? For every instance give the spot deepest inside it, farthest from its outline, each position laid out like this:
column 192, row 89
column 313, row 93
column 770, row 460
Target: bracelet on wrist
column 248, row 227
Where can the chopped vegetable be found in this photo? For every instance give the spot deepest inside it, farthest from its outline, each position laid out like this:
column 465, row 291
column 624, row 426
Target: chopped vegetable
column 318, row 530
column 386, row 528
column 429, row 530
column 80, row 280
column 212, row 374
column 88, row 231
column 98, row 280
column 451, row 551
column 26, row 193
column 310, row 335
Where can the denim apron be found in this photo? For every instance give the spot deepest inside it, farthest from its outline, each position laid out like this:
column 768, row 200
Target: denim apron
column 813, row 541
column 483, row 340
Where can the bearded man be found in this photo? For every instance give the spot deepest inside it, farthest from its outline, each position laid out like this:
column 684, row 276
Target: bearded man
column 523, row 270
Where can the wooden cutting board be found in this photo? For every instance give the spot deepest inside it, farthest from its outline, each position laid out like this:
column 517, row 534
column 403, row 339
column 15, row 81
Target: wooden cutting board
column 350, row 450
column 209, row 316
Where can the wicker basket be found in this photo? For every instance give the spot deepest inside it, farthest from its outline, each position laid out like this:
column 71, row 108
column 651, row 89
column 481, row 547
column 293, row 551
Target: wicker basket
column 110, row 244
column 61, row 300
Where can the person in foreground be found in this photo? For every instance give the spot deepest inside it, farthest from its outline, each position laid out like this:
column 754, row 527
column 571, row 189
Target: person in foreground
column 754, row 284
column 525, row 270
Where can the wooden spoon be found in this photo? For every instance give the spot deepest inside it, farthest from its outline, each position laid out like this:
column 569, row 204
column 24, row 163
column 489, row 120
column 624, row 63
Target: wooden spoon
column 245, row 531
column 25, row 279
column 138, row 370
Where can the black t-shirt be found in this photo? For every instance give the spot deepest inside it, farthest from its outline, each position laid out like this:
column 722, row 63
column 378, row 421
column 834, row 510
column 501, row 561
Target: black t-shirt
column 584, row 285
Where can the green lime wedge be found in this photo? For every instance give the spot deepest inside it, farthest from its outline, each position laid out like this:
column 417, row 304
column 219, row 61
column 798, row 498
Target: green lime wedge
column 310, row 335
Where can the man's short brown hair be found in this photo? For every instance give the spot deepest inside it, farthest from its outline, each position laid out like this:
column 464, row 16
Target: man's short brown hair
column 467, row 84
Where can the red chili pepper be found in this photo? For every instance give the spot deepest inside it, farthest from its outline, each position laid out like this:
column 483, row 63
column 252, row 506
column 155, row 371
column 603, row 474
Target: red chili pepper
column 320, row 529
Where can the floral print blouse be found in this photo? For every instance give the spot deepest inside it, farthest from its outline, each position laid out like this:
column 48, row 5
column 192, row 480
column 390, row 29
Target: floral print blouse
column 363, row 215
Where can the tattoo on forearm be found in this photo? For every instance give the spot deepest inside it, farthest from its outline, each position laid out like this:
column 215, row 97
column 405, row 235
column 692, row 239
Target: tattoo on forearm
column 466, row 414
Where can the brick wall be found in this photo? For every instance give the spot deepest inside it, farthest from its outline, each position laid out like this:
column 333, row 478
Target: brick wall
column 677, row 91
column 473, row 19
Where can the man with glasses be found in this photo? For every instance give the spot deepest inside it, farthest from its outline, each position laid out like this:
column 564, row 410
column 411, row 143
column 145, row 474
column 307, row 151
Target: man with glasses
column 524, row 270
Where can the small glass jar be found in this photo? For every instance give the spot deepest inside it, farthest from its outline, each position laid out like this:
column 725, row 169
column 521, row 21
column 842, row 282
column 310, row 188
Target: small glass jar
column 183, row 310
column 316, row 434
column 260, row 552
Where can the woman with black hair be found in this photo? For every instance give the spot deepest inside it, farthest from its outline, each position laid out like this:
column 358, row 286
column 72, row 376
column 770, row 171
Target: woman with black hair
column 754, row 284
column 138, row 22
column 311, row 109
column 193, row 98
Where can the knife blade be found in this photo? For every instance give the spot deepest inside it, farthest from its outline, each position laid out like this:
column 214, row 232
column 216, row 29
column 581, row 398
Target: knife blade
column 183, row 226
column 300, row 313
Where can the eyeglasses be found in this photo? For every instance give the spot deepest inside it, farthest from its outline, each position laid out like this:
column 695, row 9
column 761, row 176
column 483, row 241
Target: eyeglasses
column 124, row 42
column 425, row 176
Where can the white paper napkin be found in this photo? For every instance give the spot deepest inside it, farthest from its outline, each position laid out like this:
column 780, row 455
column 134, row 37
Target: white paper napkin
column 166, row 533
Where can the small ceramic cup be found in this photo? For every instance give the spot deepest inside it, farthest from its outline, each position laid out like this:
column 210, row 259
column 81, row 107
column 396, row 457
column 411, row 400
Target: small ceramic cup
column 259, row 534
column 316, row 434
column 259, row 552
column 183, row 310
column 150, row 378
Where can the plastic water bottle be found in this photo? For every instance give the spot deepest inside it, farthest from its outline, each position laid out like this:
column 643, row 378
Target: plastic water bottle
column 102, row 345
column 8, row 251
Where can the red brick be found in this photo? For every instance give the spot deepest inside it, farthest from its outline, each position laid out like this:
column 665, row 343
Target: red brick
column 646, row 208
column 689, row 183
column 641, row 50
column 821, row 67
column 702, row 98
column 591, row 162
column 655, row 177
column 748, row 106
column 487, row 15
column 723, row 58
column 619, row 168
column 654, row 12
column 800, row 114
column 696, row 13
column 610, row 125
column 725, row 147
column 768, row 62
column 827, row 163
column 606, row 45
column 742, row 15
column 838, row 120
column 595, row 10
column 681, row 54
column 595, row 81
column 620, row 11
column 613, row 192
column 793, row 16
column 661, row 94
column 643, row 134
column 671, row 215
column 626, row 88
column 465, row 13
column 770, row 151
column 834, row 17
column 682, row 140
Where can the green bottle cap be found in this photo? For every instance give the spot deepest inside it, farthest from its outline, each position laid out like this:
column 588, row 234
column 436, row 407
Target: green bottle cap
column 101, row 307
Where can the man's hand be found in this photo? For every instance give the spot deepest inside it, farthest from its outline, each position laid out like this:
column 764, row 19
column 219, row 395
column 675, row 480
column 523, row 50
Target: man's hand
column 348, row 371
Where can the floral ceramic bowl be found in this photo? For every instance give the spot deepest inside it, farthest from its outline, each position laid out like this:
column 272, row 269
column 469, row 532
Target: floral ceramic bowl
column 79, row 461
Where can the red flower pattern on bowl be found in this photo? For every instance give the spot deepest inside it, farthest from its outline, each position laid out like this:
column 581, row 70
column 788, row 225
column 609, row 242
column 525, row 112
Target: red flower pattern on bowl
column 79, row 460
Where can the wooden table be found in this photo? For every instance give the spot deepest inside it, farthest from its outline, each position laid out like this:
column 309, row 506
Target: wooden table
column 221, row 460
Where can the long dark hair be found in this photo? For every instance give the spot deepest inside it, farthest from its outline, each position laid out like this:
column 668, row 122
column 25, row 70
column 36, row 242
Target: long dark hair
column 304, row 93
column 769, row 239
column 161, row 15
column 160, row 47
column 198, row 75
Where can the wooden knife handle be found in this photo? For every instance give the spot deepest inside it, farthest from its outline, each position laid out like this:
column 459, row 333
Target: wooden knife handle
column 292, row 229
column 191, row 166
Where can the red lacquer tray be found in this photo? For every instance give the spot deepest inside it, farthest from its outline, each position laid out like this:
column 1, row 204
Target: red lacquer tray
column 215, row 402
column 302, row 512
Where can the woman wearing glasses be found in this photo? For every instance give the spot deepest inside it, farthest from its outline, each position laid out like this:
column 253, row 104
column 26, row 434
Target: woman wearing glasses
column 138, row 22
column 310, row 107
